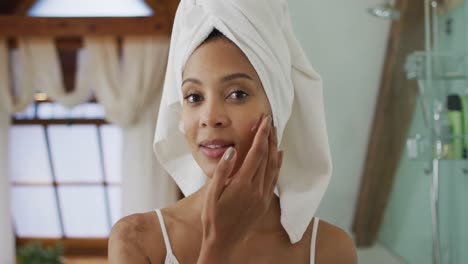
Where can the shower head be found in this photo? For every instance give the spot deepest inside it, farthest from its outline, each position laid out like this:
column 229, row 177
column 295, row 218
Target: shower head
column 386, row 11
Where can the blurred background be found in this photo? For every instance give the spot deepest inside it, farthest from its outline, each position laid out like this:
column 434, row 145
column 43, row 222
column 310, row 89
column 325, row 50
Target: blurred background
column 80, row 84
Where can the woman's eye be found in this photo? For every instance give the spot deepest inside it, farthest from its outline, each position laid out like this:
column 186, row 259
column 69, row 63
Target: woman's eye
column 238, row 95
column 193, row 98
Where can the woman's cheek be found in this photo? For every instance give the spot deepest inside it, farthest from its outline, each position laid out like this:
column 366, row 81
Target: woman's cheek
column 190, row 130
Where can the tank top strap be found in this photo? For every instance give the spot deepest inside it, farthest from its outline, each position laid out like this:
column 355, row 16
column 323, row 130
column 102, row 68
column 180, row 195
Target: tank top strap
column 313, row 240
column 164, row 231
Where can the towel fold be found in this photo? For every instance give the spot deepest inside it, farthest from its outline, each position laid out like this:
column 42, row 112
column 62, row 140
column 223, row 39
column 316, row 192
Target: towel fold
column 262, row 30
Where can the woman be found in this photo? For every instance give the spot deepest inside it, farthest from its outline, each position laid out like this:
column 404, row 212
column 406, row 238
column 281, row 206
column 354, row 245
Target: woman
column 231, row 122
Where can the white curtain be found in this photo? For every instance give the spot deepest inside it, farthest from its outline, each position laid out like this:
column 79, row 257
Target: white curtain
column 9, row 103
column 46, row 73
column 7, row 240
column 129, row 88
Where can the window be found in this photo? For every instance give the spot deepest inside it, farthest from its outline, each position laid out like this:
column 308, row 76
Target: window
column 65, row 172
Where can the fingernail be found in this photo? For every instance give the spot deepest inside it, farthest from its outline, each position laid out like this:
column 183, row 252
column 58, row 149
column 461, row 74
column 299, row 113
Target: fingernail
column 229, row 153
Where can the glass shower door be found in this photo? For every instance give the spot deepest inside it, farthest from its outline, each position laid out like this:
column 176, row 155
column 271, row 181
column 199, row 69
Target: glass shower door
column 446, row 50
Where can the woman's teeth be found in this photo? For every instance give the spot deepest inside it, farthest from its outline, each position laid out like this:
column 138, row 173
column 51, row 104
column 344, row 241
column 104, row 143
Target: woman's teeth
column 215, row 146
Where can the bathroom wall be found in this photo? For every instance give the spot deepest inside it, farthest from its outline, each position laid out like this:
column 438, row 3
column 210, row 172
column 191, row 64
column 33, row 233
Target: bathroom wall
column 407, row 227
column 346, row 46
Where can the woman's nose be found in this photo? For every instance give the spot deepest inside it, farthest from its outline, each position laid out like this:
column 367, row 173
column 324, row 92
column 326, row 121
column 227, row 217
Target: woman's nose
column 214, row 115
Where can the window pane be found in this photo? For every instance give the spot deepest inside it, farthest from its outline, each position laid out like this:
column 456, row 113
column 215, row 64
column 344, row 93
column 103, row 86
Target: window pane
column 88, row 111
column 45, row 110
column 28, row 154
column 35, row 211
column 112, row 144
column 93, row 8
column 28, row 113
column 114, row 199
column 59, row 111
column 82, row 111
column 75, row 153
column 84, row 211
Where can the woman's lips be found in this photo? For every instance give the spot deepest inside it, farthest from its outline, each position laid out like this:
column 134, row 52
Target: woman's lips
column 213, row 153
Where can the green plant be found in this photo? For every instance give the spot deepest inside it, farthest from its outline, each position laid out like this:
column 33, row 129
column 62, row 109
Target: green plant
column 36, row 253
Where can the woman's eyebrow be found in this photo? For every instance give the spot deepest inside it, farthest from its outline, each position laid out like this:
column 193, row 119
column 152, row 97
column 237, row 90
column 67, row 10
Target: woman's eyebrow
column 235, row 76
column 226, row 78
column 191, row 80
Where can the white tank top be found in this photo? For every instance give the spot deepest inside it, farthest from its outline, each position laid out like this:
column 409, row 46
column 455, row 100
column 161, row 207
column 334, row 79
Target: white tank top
column 171, row 259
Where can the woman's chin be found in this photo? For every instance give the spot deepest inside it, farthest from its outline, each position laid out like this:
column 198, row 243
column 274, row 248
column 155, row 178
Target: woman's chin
column 209, row 165
column 209, row 169
column 209, row 175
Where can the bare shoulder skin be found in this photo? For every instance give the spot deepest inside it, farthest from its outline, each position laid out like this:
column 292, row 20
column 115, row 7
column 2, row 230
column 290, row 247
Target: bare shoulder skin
column 130, row 237
column 138, row 238
column 334, row 245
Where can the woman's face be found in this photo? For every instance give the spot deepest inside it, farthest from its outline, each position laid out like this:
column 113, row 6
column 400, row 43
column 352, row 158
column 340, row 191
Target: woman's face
column 223, row 99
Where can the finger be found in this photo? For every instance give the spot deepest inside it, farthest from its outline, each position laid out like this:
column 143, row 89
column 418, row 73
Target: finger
column 277, row 172
column 222, row 172
column 259, row 177
column 257, row 152
column 281, row 159
column 280, row 164
column 272, row 166
column 257, row 123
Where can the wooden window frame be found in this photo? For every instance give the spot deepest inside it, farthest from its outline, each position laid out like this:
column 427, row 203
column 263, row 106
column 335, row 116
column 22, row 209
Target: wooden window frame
column 72, row 246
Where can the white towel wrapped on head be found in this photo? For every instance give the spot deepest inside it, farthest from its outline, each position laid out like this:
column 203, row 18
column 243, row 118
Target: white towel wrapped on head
column 262, row 30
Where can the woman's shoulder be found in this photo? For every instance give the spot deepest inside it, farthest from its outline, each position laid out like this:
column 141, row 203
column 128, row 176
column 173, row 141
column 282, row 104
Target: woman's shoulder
column 131, row 237
column 334, row 245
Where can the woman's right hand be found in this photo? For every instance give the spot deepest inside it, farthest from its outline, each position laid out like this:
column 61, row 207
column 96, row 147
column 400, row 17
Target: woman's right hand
column 231, row 210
